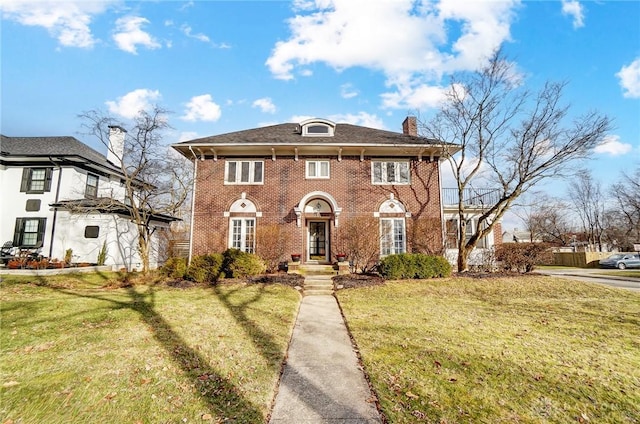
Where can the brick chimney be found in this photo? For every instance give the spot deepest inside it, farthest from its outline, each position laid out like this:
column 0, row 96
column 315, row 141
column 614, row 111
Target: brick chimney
column 116, row 145
column 410, row 126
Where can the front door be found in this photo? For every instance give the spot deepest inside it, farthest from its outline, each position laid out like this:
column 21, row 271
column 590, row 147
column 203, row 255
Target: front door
column 318, row 240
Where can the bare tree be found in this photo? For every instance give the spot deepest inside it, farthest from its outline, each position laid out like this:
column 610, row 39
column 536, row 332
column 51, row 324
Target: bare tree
column 585, row 194
column 156, row 181
column 509, row 137
column 627, row 196
column 358, row 238
column 546, row 219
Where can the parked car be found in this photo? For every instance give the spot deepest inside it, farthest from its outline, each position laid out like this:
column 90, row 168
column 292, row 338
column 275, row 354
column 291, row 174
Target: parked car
column 621, row 261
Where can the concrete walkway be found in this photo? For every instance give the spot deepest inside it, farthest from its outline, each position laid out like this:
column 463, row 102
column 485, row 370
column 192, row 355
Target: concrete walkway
column 595, row 275
column 322, row 380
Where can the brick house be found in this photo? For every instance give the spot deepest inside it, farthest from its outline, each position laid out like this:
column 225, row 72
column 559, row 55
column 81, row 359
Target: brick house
column 310, row 177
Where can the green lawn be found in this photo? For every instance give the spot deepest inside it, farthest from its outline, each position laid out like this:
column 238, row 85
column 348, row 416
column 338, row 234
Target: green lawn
column 75, row 351
column 521, row 350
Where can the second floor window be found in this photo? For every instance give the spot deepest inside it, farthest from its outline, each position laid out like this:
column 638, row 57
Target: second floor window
column 244, row 172
column 390, row 172
column 318, row 169
column 36, row 180
column 91, row 189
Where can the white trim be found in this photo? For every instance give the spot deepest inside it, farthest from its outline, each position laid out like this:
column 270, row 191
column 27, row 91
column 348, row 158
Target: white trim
column 318, row 164
column 238, row 174
column 383, row 172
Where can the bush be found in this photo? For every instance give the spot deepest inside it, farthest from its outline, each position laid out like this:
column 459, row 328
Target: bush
column 522, row 257
column 396, row 267
column 418, row 265
column 205, row 268
column 174, row 268
column 239, row 264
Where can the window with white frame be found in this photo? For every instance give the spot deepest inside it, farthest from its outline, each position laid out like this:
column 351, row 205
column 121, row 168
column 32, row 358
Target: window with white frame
column 392, row 236
column 91, row 188
column 453, row 231
column 390, row 172
column 244, row 172
column 243, row 234
column 317, row 169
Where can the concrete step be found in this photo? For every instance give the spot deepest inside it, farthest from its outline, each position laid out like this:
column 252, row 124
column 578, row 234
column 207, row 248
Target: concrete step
column 317, row 292
column 313, row 269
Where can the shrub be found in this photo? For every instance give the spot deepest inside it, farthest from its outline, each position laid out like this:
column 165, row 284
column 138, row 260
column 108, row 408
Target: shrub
column 239, row 264
column 522, row 257
column 174, row 268
column 271, row 244
column 416, row 265
column 396, row 267
column 205, row 268
column 102, row 254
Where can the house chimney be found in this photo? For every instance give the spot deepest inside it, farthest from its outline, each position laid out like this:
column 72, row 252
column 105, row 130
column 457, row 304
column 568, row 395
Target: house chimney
column 116, row 145
column 410, row 126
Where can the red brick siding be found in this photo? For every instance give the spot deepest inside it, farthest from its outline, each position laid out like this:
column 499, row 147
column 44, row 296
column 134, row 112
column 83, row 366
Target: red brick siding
column 285, row 185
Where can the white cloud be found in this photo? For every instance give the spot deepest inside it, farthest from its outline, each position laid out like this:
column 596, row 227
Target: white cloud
column 187, row 136
column 265, row 104
column 129, row 105
column 574, row 9
column 612, row 146
column 412, row 43
column 348, row 92
column 361, row 118
column 187, row 30
column 67, row 21
column 630, row 79
column 202, row 108
column 129, row 34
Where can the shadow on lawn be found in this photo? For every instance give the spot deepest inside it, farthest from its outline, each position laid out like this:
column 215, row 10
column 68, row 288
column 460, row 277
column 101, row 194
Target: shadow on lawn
column 263, row 341
column 221, row 395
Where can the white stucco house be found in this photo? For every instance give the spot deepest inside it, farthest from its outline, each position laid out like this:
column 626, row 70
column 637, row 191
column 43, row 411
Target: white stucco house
column 476, row 202
column 58, row 194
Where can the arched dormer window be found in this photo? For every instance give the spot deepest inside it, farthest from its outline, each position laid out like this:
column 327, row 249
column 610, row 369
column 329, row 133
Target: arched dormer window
column 316, row 127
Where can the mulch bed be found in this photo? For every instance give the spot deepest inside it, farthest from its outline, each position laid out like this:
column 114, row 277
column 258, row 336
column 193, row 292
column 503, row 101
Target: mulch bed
column 351, row 281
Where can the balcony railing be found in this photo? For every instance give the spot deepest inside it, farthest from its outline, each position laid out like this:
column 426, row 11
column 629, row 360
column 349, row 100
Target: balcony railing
column 471, row 197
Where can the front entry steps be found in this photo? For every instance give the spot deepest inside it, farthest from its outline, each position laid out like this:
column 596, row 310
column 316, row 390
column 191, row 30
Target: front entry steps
column 315, row 285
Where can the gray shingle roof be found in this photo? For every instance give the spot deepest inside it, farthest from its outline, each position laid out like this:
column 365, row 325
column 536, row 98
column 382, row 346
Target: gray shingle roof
column 289, row 134
column 58, row 147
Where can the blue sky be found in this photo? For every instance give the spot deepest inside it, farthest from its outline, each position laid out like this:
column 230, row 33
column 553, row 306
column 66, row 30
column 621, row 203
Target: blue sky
column 223, row 66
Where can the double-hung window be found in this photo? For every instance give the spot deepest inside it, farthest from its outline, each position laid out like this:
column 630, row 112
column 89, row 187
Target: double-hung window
column 317, row 169
column 244, row 172
column 29, row 232
column 36, row 180
column 243, row 234
column 91, row 189
column 390, row 172
column 392, row 236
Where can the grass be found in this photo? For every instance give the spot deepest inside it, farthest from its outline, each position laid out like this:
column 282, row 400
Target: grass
column 74, row 350
column 511, row 350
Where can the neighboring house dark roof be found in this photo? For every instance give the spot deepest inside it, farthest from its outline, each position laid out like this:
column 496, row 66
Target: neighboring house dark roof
column 107, row 205
column 55, row 147
column 290, row 134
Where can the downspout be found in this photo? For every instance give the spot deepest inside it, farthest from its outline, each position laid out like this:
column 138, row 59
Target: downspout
column 55, row 210
column 193, row 204
column 443, row 223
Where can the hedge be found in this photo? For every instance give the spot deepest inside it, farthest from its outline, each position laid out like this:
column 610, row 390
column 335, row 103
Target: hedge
column 416, row 265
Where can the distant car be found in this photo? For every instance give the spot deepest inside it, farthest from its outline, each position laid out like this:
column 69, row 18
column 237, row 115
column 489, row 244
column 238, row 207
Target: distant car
column 621, row 261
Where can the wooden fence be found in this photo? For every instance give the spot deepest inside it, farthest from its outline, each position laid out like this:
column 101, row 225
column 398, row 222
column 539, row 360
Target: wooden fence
column 579, row 259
